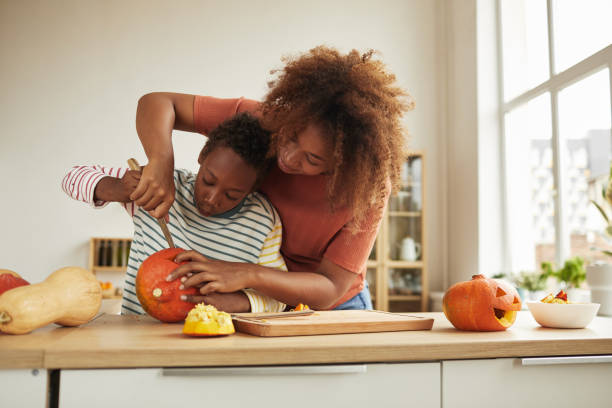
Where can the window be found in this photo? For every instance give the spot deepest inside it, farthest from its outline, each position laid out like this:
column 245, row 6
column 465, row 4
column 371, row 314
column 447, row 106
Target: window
column 556, row 64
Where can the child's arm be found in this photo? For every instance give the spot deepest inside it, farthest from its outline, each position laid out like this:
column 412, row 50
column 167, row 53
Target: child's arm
column 117, row 189
column 270, row 256
column 97, row 185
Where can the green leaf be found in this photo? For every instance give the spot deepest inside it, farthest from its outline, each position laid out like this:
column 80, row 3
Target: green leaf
column 601, row 210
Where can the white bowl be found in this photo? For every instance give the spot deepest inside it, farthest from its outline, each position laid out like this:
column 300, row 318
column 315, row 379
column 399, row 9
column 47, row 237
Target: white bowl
column 563, row 316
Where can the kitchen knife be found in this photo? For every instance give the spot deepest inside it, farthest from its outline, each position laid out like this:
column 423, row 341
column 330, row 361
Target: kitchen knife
column 162, row 222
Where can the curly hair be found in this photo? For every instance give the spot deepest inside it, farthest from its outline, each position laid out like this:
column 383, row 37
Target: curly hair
column 244, row 135
column 355, row 99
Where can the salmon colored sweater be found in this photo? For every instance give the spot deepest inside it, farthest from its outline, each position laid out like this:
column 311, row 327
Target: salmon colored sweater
column 311, row 231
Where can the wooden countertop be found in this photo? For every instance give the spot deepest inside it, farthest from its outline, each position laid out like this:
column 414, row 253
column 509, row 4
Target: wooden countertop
column 112, row 341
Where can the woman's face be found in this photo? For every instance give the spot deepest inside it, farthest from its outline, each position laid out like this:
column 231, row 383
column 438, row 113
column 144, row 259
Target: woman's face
column 307, row 153
column 223, row 181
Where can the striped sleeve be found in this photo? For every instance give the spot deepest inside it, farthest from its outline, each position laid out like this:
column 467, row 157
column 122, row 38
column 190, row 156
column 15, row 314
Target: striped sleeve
column 271, row 257
column 81, row 181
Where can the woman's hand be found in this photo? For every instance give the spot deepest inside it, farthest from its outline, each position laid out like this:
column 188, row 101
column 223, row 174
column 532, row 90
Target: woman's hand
column 155, row 191
column 157, row 115
column 210, row 275
column 235, row 302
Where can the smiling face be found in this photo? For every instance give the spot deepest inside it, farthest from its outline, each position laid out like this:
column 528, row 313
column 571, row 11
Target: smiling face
column 307, row 153
column 223, row 181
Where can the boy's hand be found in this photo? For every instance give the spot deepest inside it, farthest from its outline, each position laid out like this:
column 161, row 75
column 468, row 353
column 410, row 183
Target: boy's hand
column 155, row 190
column 210, row 275
column 117, row 189
column 129, row 181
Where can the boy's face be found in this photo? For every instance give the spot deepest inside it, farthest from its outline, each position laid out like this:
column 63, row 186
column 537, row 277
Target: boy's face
column 223, row 181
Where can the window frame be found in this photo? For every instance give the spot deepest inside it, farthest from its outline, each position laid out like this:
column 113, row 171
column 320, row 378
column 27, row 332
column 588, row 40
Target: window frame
column 555, row 84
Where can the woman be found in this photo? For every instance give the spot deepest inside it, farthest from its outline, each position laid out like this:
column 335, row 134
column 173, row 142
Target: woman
column 338, row 146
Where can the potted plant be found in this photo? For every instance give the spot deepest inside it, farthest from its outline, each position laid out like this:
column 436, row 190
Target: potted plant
column 531, row 284
column 571, row 277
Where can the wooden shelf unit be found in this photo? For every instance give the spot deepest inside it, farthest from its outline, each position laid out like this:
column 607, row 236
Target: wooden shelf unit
column 404, row 216
column 97, row 265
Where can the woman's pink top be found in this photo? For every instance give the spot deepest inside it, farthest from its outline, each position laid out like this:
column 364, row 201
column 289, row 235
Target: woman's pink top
column 311, row 231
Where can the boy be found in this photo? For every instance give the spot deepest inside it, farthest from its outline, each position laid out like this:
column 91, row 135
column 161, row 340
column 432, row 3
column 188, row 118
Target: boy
column 216, row 212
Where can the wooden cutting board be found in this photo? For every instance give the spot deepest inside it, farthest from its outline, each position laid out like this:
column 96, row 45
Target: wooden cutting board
column 331, row 322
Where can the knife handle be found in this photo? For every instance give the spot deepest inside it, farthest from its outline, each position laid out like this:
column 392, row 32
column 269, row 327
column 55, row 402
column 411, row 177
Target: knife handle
column 162, row 222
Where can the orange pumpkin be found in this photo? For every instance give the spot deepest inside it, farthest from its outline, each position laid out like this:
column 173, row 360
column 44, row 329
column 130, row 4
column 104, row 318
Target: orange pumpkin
column 481, row 304
column 159, row 298
column 10, row 280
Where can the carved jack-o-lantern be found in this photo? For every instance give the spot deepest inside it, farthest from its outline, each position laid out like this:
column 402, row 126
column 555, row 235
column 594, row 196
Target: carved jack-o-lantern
column 481, row 304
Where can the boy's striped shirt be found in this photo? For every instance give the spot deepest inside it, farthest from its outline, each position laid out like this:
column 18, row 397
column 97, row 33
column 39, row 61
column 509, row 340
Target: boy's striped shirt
column 250, row 232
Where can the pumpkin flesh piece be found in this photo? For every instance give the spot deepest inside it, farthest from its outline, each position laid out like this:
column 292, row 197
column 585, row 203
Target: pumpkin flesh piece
column 205, row 320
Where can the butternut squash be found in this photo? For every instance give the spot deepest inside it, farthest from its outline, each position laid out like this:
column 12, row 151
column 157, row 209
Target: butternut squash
column 69, row 296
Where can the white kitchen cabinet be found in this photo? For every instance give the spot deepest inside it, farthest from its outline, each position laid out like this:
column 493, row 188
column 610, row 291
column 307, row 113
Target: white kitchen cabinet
column 23, row 388
column 351, row 386
column 527, row 382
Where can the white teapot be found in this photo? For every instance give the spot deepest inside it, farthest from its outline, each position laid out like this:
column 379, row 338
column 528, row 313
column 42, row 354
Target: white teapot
column 409, row 250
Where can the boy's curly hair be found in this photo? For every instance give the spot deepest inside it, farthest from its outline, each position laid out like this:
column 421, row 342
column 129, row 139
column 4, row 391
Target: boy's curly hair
column 355, row 99
column 244, row 135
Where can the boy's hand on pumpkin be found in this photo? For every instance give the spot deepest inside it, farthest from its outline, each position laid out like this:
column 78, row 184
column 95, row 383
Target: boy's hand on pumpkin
column 155, row 191
column 209, row 275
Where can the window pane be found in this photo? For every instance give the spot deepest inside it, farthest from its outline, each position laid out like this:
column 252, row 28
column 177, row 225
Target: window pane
column 525, row 45
column 581, row 29
column 529, row 173
column 584, row 130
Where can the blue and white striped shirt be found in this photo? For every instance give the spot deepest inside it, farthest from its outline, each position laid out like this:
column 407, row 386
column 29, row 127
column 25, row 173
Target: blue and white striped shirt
column 251, row 232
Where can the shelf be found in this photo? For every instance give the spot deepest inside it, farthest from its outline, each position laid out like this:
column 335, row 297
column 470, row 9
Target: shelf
column 404, row 264
column 412, row 214
column 404, row 218
column 404, row 298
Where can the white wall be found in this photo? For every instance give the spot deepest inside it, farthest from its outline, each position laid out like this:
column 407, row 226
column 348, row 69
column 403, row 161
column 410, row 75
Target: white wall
column 462, row 141
column 474, row 207
column 71, row 73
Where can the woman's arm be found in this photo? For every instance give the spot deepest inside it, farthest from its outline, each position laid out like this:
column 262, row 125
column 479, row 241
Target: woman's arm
column 320, row 290
column 157, row 115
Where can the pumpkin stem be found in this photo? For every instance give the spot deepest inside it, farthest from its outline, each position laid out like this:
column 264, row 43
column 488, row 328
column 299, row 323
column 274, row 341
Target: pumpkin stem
column 479, row 276
column 5, row 317
column 157, row 292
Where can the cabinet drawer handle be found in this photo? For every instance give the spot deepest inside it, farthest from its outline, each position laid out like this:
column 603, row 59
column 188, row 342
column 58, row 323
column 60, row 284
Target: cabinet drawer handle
column 257, row 371
column 566, row 360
